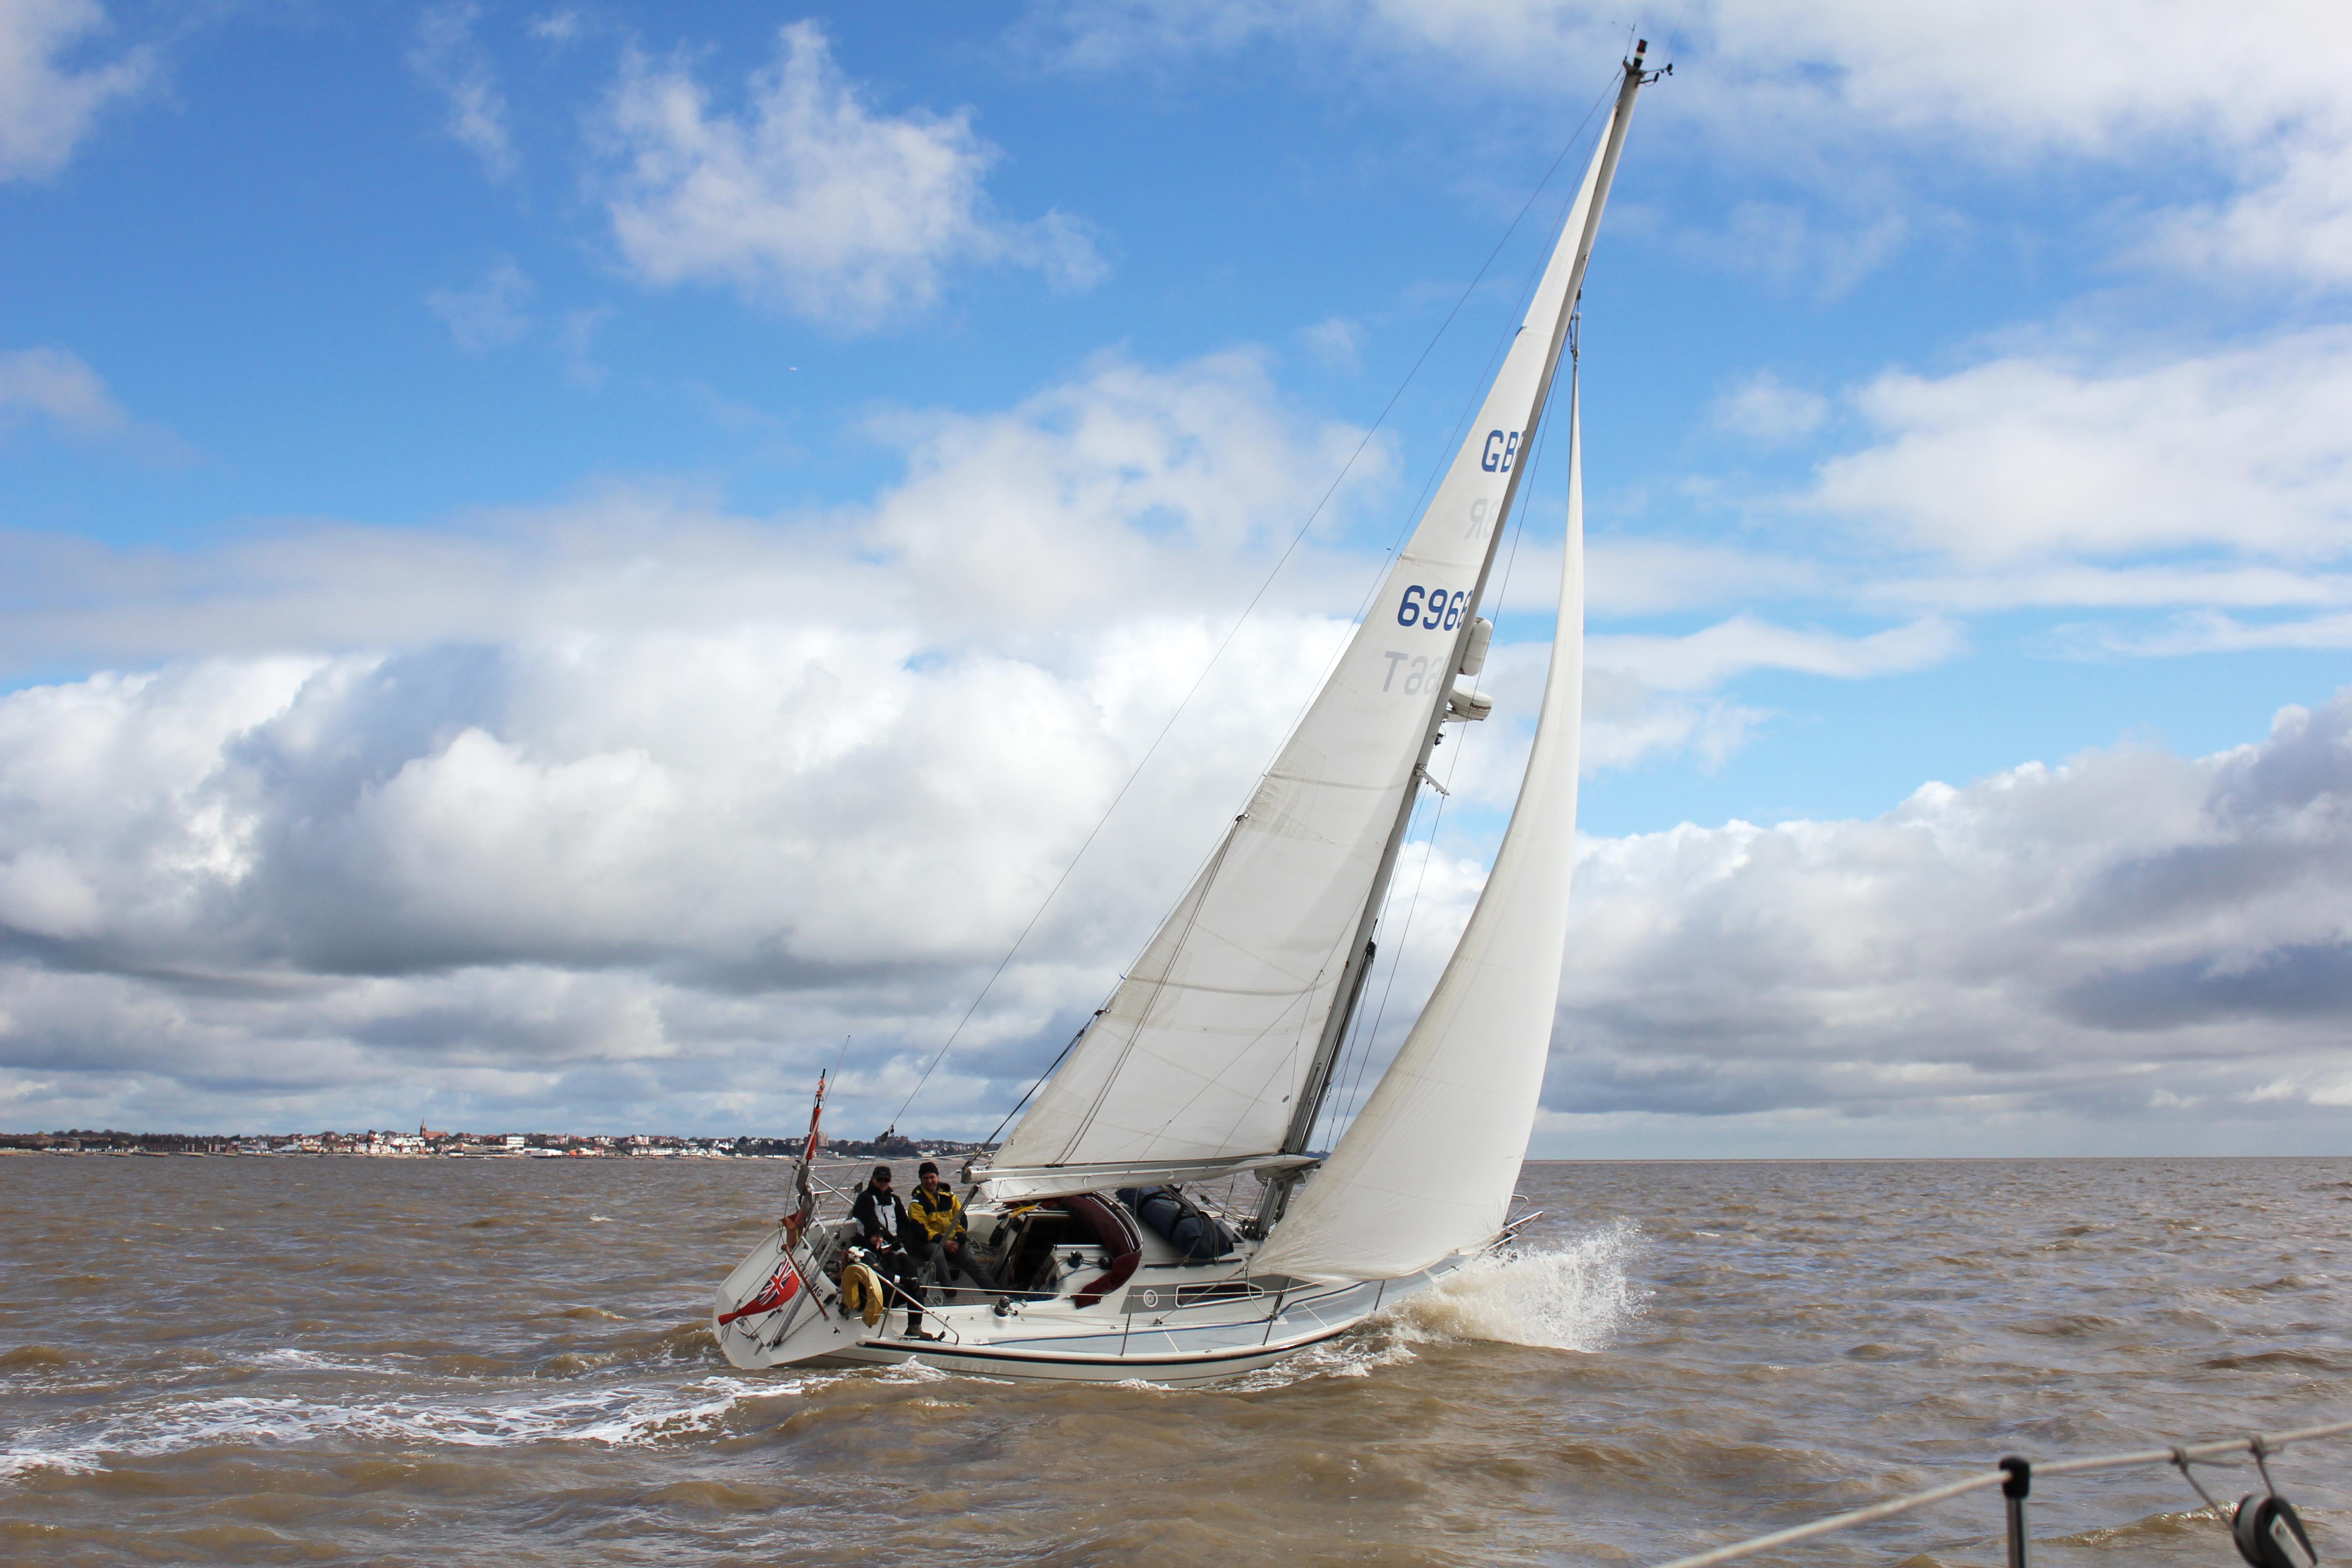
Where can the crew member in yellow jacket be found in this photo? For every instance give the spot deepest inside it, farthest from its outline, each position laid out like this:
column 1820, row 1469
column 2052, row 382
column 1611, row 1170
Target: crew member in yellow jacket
column 934, row 1205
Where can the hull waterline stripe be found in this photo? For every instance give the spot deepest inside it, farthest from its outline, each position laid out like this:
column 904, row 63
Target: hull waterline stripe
column 928, row 1349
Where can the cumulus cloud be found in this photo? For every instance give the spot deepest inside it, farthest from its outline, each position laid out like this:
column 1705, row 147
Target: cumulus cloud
column 586, row 808
column 2130, row 936
column 739, row 785
column 1916, row 69
column 46, row 104
column 708, row 851
column 2295, row 223
column 470, row 806
column 451, row 61
column 1130, row 493
column 2120, row 81
column 2238, row 451
column 810, row 199
column 2252, row 93
column 2215, row 482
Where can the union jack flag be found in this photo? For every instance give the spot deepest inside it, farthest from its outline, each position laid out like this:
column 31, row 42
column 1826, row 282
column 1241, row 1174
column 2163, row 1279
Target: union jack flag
column 781, row 1287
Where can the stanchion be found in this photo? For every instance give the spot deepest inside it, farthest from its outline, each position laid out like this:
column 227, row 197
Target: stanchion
column 2013, row 1490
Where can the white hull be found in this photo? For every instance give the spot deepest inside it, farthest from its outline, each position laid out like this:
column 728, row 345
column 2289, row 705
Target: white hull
column 1138, row 1333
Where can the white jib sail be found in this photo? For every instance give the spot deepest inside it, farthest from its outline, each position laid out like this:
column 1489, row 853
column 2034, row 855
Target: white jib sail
column 1429, row 1166
column 1207, row 1042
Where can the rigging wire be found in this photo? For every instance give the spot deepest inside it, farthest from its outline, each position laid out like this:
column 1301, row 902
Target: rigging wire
column 1674, row 32
column 1041, row 1077
column 1250, row 608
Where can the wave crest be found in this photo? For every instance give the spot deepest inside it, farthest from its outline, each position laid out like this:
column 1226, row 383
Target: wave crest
column 1579, row 1296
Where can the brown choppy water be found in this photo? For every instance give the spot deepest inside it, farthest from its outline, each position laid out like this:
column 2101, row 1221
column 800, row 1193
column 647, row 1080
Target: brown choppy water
column 346, row 1359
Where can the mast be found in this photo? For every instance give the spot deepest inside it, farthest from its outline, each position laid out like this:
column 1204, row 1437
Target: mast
column 1317, row 1085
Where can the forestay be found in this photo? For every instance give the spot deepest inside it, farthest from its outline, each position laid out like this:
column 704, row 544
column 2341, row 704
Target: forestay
column 1208, row 1040
column 1428, row 1167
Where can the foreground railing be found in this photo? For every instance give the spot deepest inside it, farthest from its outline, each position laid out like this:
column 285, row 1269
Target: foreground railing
column 2265, row 1526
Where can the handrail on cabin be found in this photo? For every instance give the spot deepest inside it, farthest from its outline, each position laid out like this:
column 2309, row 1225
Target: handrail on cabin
column 2014, row 1477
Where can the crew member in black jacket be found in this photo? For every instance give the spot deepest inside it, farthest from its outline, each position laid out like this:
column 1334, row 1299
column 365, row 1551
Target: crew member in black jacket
column 899, row 1248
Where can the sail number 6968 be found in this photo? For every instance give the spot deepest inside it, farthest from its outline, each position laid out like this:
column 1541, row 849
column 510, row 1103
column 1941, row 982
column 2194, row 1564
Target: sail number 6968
column 1430, row 608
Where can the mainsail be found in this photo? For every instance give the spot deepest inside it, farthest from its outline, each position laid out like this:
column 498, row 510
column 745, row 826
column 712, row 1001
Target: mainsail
column 1204, row 1051
column 1217, row 1045
column 1428, row 1167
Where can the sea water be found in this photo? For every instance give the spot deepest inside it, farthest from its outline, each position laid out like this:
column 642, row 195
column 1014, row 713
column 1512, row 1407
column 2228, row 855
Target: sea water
column 325, row 1360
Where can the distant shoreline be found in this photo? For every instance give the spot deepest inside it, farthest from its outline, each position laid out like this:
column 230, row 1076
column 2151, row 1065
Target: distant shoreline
column 427, row 1144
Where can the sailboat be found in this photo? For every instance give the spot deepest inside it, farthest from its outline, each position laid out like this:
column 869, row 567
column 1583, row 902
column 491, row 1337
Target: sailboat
column 1214, row 1056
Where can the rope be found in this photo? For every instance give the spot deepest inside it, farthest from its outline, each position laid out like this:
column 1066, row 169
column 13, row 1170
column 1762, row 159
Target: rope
column 2180, row 1457
column 1887, row 1509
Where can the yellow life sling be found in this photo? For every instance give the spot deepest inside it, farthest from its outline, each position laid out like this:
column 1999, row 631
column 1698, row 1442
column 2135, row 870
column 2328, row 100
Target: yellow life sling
column 861, row 1292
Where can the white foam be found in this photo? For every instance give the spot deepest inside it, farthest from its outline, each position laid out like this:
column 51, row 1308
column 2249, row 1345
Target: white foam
column 311, row 1360
column 1577, row 1296
column 1358, row 1355
column 915, row 1370
column 635, row 1413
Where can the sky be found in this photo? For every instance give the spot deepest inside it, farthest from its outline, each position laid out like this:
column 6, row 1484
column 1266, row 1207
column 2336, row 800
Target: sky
column 570, row 566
